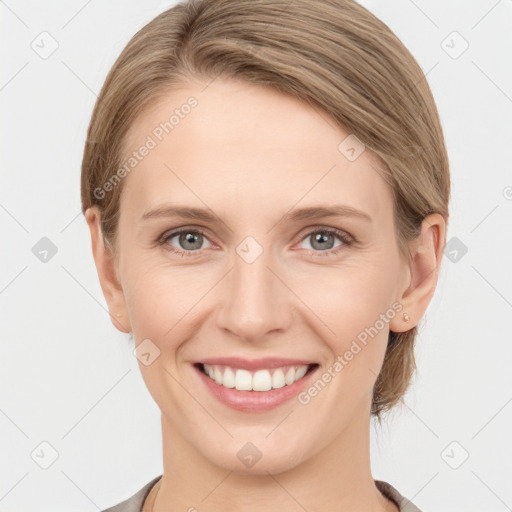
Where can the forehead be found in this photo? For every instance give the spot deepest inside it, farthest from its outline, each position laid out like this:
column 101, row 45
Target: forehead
column 245, row 146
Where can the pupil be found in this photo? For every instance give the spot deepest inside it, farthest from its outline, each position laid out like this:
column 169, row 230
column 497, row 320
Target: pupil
column 190, row 238
column 321, row 238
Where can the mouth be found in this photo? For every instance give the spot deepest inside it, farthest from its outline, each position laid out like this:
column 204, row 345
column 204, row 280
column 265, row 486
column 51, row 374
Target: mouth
column 255, row 385
column 275, row 375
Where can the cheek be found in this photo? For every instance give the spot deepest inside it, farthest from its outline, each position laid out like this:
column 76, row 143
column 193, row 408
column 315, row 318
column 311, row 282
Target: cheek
column 160, row 302
column 352, row 307
column 356, row 305
column 350, row 296
column 159, row 297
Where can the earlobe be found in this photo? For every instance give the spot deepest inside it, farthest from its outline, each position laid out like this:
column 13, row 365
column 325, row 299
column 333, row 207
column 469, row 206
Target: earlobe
column 105, row 266
column 423, row 269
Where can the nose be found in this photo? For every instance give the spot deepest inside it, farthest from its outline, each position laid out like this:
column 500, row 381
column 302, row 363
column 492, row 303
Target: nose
column 257, row 302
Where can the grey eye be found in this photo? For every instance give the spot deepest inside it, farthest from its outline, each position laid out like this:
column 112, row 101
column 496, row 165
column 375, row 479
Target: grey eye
column 322, row 240
column 189, row 240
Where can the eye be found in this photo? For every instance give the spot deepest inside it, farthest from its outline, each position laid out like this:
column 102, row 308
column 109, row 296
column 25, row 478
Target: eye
column 324, row 240
column 189, row 241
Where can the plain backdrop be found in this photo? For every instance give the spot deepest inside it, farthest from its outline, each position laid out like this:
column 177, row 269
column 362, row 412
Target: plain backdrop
column 71, row 395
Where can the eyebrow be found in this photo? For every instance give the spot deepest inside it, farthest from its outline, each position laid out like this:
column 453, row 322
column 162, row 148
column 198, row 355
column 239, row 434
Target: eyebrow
column 311, row 212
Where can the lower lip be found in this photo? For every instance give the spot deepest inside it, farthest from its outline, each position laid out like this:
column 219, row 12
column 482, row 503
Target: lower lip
column 255, row 401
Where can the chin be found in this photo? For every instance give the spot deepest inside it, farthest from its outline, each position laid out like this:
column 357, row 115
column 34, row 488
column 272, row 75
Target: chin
column 247, row 458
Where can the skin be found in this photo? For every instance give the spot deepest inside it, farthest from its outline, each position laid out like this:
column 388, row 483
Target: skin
column 251, row 154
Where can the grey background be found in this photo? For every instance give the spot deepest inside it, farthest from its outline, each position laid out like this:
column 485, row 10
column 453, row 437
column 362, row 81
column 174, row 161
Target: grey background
column 68, row 378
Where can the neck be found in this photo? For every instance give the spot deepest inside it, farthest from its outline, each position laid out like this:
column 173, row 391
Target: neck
column 336, row 478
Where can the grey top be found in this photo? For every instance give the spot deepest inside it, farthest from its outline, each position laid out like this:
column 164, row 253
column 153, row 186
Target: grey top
column 134, row 504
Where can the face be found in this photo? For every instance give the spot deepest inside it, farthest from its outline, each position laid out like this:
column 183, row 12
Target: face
column 263, row 269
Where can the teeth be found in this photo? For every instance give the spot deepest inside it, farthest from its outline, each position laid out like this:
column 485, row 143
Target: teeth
column 243, row 380
column 261, row 380
column 290, row 376
column 218, row 376
column 301, row 372
column 228, row 380
column 278, row 379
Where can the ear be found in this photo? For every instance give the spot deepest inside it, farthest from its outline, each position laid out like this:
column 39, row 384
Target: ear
column 107, row 272
column 422, row 273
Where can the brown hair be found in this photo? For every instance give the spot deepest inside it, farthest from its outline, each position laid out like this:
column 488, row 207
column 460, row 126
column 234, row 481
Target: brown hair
column 332, row 54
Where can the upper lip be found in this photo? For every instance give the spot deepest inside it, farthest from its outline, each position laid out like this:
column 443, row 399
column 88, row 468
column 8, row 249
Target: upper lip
column 254, row 364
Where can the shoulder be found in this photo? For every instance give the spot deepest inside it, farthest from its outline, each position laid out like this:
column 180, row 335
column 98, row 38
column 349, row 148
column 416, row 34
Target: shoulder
column 390, row 492
column 134, row 503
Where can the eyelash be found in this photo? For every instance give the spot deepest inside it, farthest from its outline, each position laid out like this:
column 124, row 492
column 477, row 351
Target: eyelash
column 347, row 240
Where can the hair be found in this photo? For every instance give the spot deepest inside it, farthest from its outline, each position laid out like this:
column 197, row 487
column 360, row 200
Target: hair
column 331, row 54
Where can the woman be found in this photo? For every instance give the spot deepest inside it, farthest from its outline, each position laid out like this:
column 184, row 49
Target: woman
column 266, row 186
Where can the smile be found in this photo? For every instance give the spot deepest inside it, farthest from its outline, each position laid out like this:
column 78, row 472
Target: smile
column 260, row 380
column 255, row 385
